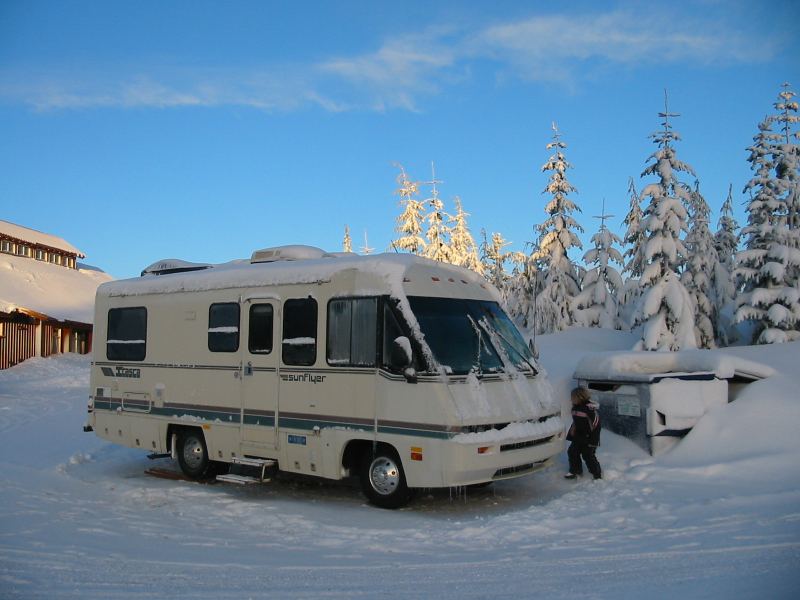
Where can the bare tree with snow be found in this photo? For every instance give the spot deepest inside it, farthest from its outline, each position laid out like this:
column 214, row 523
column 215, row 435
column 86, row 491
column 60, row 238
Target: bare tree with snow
column 409, row 223
column 597, row 304
column 665, row 309
column 558, row 233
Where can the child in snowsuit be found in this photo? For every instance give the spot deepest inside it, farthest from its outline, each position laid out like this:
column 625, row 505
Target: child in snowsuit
column 584, row 435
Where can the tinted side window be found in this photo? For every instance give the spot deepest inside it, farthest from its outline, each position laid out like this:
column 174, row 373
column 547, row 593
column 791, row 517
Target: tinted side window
column 300, row 332
column 259, row 339
column 223, row 327
column 352, row 332
column 127, row 334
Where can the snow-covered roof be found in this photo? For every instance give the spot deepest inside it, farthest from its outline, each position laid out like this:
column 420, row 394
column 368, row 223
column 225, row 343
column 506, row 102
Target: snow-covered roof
column 37, row 237
column 646, row 366
column 64, row 294
column 394, row 272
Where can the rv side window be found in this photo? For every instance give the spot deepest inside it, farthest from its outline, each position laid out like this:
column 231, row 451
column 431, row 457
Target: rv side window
column 259, row 339
column 127, row 334
column 352, row 332
column 223, row 327
column 300, row 332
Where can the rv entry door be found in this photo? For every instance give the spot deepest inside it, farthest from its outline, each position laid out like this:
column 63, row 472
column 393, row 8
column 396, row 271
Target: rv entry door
column 260, row 372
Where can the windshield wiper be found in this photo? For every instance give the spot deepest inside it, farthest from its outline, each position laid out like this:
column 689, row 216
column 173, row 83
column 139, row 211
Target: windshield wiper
column 485, row 323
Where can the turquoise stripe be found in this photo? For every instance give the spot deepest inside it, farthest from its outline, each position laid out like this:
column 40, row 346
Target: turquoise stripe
column 284, row 422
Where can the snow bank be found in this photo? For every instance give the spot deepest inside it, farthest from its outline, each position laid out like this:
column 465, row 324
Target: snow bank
column 639, row 366
column 59, row 292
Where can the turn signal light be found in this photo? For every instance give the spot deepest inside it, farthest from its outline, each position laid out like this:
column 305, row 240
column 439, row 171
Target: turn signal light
column 416, row 453
column 484, row 449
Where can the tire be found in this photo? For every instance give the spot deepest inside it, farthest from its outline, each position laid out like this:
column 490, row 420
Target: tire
column 383, row 480
column 193, row 454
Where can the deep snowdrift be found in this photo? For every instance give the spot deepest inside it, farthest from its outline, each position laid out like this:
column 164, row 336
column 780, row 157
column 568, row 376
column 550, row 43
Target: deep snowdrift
column 716, row 517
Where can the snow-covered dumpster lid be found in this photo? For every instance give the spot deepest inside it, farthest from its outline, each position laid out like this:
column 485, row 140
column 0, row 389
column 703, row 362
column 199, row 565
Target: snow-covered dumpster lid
column 621, row 367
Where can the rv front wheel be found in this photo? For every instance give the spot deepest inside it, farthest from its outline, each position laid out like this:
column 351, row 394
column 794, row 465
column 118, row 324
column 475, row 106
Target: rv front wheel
column 383, row 480
column 192, row 454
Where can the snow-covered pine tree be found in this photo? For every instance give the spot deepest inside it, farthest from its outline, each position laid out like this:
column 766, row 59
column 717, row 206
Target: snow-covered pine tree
column 464, row 250
column 770, row 261
column 494, row 259
column 634, row 235
column 787, row 165
column 597, row 304
column 347, row 244
column 560, row 276
column 409, row 223
column 723, row 287
column 665, row 308
column 521, row 289
column 701, row 265
column 438, row 233
column 634, row 257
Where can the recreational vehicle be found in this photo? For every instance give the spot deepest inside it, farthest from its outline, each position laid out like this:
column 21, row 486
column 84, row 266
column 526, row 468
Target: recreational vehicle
column 400, row 370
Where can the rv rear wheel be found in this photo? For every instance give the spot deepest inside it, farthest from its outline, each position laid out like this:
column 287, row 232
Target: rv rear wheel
column 192, row 453
column 383, row 480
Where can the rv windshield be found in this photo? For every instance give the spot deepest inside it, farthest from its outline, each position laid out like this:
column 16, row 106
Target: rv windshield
column 470, row 335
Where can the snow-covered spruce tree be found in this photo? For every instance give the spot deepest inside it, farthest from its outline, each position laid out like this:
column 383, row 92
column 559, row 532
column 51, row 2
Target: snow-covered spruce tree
column 438, row 232
column 464, row 250
column 522, row 289
column 347, row 244
column 770, row 261
column 560, row 276
column 701, row 265
column 409, row 223
column 597, row 304
column 634, row 257
column 665, row 308
column 723, row 287
column 787, row 165
column 494, row 258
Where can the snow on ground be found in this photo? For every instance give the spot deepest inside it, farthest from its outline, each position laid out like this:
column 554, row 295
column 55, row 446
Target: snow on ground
column 717, row 517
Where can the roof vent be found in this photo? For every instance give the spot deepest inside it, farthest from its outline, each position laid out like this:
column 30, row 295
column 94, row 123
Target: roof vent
column 173, row 265
column 278, row 253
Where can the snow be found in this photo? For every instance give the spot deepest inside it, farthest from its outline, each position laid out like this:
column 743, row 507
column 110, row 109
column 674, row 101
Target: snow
column 715, row 517
column 59, row 292
column 638, row 366
column 37, row 237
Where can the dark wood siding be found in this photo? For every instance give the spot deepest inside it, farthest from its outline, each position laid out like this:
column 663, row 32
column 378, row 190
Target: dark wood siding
column 18, row 341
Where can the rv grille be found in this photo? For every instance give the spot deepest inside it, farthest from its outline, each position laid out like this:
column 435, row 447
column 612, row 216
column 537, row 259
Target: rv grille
column 506, row 471
column 528, row 444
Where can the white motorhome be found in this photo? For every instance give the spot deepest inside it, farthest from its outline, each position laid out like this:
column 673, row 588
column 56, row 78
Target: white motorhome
column 398, row 369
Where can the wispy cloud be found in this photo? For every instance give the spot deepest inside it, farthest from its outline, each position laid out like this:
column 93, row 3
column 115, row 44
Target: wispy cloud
column 405, row 69
column 554, row 47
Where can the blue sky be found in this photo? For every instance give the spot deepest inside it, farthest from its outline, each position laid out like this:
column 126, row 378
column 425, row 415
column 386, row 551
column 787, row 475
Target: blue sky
column 200, row 130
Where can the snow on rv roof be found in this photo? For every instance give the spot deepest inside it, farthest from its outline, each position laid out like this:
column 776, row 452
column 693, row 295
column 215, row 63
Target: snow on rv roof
column 394, row 269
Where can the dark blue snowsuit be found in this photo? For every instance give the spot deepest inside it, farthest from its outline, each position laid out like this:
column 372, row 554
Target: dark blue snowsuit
column 585, row 437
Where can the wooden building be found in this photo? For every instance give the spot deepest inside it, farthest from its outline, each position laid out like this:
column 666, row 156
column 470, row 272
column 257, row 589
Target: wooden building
column 29, row 291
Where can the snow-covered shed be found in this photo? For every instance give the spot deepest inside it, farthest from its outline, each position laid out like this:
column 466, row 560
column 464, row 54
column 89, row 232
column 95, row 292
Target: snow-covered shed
column 656, row 398
column 45, row 308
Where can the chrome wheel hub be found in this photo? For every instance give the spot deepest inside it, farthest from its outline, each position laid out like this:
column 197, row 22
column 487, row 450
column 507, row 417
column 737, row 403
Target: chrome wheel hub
column 384, row 475
column 193, row 453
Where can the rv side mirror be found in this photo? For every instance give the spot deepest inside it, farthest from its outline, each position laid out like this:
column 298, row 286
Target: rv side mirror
column 401, row 357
